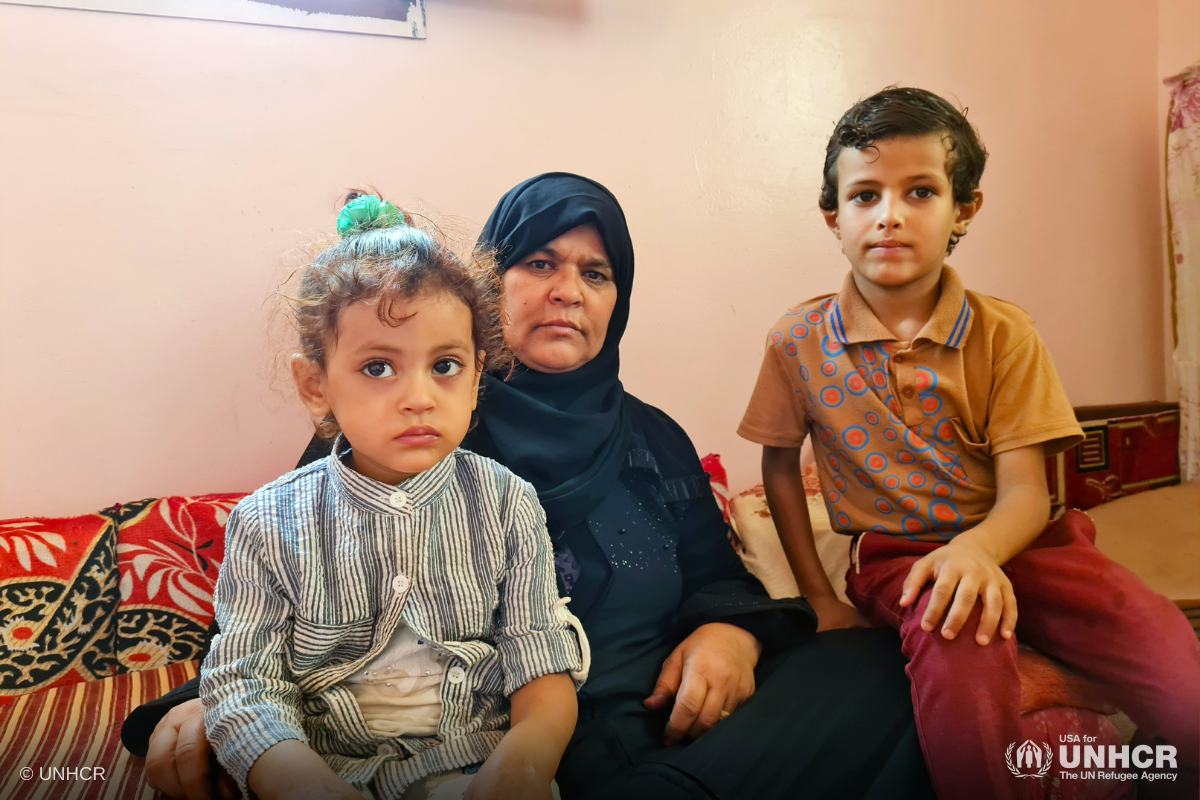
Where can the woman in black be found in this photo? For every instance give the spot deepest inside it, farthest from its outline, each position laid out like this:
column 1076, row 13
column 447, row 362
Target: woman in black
column 701, row 686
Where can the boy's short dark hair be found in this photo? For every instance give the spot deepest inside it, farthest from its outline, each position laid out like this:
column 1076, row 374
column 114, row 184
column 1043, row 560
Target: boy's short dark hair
column 903, row 111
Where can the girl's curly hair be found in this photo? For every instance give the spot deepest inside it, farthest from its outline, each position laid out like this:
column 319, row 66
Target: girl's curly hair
column 901, row 111
column 383, row 265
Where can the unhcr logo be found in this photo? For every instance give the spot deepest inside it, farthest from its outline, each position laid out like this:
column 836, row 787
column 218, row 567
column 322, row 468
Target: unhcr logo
column 1032, row 761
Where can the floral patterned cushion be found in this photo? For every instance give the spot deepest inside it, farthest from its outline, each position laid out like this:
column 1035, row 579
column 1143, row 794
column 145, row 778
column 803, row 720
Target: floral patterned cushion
column 128, row 589
column 168, row 554
column 58, row 599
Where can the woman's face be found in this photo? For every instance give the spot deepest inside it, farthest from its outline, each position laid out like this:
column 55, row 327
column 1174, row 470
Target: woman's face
column 556, row 302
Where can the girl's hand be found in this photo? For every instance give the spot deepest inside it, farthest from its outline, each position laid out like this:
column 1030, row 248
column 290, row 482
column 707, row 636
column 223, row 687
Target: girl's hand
column 498, row 780
column 523, row 764
column 833, row 614
column 289, row 770
column 963, row 571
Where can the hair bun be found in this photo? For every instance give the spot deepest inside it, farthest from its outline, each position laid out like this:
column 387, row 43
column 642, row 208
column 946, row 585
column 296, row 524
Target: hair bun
column 367, row 212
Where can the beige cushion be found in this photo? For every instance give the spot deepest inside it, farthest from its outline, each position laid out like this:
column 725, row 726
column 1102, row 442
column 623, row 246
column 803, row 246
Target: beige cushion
column 1155, row 535
column 763, row 554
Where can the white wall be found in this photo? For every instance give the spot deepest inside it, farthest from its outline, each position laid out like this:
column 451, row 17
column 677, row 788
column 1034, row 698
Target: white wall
column 152, row 171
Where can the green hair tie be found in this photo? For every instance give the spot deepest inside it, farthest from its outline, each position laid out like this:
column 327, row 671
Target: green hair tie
column 366, row 212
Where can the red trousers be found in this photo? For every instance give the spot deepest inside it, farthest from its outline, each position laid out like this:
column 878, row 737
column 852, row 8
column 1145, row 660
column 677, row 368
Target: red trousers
column 1073, row 604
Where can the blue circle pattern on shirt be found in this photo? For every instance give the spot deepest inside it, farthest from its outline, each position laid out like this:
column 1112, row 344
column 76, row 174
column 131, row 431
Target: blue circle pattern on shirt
column 915, row 442
column 831, row 347
column 876, row 462
column 864, row 478
column 855, row 437
column 857, row 381
column 943, row 431
column 832, row 396
column 944, row 514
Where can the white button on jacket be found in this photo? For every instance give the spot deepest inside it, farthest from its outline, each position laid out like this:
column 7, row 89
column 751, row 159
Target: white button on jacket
column 455, row 675
column 400, row 584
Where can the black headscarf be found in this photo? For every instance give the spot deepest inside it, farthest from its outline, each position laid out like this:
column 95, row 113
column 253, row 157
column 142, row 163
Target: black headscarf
column 567, row 434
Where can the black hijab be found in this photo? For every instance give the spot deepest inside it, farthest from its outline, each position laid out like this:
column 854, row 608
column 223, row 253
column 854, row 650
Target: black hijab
column 567, row 434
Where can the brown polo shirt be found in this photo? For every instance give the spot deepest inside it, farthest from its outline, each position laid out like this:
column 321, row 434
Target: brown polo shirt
column 905, row 433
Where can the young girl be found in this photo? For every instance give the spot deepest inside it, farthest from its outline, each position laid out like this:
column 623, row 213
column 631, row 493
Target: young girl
column 383, row 609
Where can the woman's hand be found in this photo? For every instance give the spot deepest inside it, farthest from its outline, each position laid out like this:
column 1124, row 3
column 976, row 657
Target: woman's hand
column 177, row 759
column 963, row 572
column 833, row 614
column 709, row 672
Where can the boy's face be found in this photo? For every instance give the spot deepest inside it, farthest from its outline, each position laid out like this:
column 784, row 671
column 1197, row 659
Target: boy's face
column 896, row 210
column 403, row 395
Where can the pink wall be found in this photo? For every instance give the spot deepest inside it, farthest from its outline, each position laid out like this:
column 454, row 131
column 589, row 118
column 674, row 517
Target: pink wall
column 154, row 170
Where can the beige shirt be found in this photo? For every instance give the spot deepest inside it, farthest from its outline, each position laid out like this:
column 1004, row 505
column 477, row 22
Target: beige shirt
column 399, row 692
column 906, row 434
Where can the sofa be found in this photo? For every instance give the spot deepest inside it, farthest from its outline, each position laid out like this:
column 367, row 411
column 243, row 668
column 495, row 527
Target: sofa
column 102, row 612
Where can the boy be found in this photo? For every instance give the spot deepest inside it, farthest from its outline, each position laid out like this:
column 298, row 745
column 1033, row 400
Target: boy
column 932, row 410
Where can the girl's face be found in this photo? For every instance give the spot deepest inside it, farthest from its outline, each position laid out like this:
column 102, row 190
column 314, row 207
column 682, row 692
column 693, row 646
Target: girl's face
column 556, row 302
column 403, row 395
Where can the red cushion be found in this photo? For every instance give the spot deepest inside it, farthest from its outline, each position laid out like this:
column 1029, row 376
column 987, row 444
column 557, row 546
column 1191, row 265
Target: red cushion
column 58, row 599
column 168, row 553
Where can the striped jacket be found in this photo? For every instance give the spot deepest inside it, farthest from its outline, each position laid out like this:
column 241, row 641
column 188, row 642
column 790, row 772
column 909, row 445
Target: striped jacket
column 320, row 568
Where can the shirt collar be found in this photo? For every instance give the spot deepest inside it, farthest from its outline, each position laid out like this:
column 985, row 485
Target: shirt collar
column 852, row 320
column 384, row 498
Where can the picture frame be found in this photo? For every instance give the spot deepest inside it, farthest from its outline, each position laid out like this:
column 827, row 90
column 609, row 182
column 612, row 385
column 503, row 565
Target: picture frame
column 402, row 18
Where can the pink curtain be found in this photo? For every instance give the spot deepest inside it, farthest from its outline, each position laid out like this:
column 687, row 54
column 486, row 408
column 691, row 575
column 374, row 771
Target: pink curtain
column 1183, row 221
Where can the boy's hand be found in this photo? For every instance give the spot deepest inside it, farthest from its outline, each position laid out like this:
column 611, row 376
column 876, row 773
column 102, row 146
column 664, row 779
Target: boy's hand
column 963, row 571
column 833, row 614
